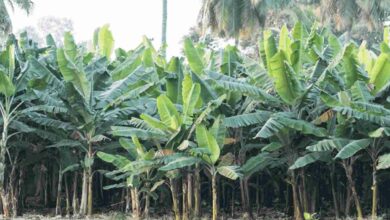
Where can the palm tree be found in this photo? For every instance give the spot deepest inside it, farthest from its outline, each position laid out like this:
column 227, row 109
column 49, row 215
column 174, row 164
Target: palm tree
column 164, row 27
column 352, row 17
column 5, row 20
column 235, row 19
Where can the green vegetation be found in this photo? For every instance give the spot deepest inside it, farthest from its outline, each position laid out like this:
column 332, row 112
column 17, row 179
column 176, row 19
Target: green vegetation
column 304, row 129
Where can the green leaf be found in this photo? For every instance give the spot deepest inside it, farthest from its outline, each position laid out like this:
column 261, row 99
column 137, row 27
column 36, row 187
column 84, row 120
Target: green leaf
column 232, row 84
column 129, row 65
column 218, row 130
column 366, row 57
column 73, row 73
column 6, row 85
column 257, row 163
column 284, row 40
column 350, row 66
column 105, row 41
column 297, row 47
column 380, row 73
column 275, row 124
column 138, row 146
column 117, row 160
column 311, row 158
column 380, row 132
column 386, row 35
column 168, row 112
column 156, row 185
column 191, row 95
column 383, row 162
column 140, row 133
column 270, row 128
column 286, row 83
column 274, row 146
column 194, row 59
column 329, row 144
column 267, row 48
column 180, row 163
column 352, row 148
column 361, row 92
column 206, row 140
column 230, row 172
column 155, row 123
column 247, row 119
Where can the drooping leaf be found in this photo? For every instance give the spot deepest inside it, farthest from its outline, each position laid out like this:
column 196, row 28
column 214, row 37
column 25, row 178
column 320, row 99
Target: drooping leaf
column 247, row 119
column 154, row 122
column 117, row 160
column 352, row 148
column 257, row 163
column 329, row 144
column 311, row 158
column 180, row 163
column 274, row 146
column 383, row 162
column 230, row 172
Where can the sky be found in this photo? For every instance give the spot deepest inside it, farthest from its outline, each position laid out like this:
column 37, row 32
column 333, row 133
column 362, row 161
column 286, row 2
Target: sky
column 129, row 19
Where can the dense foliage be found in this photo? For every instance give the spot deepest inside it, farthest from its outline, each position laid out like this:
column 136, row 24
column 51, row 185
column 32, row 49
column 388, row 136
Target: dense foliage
column 305, row 129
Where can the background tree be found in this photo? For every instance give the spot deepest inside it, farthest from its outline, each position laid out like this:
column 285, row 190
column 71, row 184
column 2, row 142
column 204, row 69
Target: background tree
column 5, row 20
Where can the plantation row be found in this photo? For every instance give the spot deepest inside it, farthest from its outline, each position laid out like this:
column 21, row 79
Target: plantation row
column 303, row 129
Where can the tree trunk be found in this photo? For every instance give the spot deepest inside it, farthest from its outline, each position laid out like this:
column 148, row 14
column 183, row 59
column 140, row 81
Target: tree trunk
column 258, row 191
column 197, row 196
column 374, row 193
column 84, row 194
column 75, row 200
column 304, row 199
column 298, row 215
column 3, row 149
column 128, row 200
column 348, row 166
column 175, row 201
column 245, row 198
column 67, row 197
column 164, row 27
column 135, row 203
column 147, row 205
column 13, row 189
column 184, row 199
column 334, row 193
column 59, row 189
column 90, row 192
column 232, row 208
column 215, row 196
column 5, row 203
column 190, row 194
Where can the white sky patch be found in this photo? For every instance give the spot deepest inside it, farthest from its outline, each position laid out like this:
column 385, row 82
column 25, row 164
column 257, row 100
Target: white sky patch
column 129, row 19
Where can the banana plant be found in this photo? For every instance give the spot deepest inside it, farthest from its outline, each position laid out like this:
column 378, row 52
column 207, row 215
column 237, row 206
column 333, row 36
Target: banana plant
column 137, row 172
column 175, row 126
column 355, row 98
column 208, row 152
column 95, row 95
column 356, row 113
column 16, row 82
column 296, row 67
